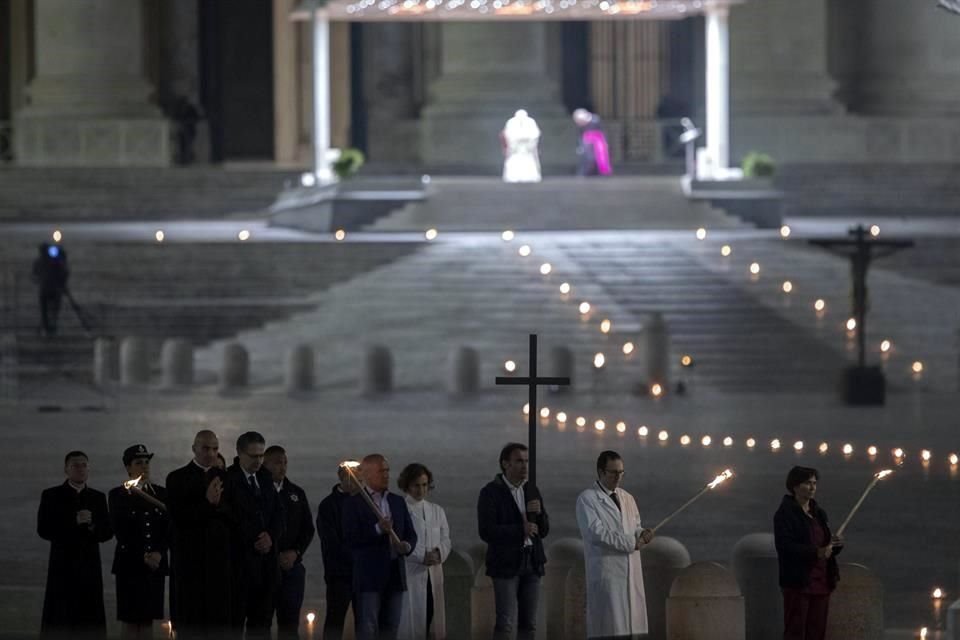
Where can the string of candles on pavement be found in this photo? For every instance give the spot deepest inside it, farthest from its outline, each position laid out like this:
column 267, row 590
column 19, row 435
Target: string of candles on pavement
column 586, row 309
column 848, row 449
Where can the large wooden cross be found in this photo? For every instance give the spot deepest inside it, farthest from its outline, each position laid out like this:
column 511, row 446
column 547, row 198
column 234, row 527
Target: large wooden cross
column 861, row 249
column 532, row 382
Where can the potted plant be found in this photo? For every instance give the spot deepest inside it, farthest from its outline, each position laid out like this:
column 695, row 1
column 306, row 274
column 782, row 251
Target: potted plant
column 348, row 162
column 758, row 165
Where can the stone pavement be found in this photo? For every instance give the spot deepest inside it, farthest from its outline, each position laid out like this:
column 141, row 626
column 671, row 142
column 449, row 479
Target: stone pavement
column 460, row 441
column 765, row 368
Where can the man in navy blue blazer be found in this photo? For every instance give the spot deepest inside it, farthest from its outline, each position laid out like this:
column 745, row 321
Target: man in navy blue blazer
column 379, row 545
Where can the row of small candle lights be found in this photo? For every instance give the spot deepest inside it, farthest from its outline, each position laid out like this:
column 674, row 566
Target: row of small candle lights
column 244, row 234
column 898, row 454
column 819, row 305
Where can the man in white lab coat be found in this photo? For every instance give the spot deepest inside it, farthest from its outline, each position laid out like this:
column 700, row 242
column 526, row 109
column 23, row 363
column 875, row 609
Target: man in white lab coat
column 612, row 538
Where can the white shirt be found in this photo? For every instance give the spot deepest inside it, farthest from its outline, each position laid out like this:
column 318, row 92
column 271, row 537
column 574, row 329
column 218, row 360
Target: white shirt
column 521, row 501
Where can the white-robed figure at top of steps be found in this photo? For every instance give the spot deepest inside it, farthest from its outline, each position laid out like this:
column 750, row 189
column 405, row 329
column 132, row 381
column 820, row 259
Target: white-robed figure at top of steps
column 425, row 564
column 520, row 138
column 612, row 539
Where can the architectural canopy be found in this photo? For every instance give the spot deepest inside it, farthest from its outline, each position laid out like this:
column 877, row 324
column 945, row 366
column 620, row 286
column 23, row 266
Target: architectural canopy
column 322, row 12
column 536, row 10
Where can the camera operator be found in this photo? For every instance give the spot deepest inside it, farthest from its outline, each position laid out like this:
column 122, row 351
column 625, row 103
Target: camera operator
column 50, row 273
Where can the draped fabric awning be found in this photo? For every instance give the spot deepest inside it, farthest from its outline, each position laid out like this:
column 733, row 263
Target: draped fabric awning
column 534, row 10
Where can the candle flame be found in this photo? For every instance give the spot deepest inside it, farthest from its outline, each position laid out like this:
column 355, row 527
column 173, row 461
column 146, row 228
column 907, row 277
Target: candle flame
column 883, row 474
column 132, row 484
column 726, row 474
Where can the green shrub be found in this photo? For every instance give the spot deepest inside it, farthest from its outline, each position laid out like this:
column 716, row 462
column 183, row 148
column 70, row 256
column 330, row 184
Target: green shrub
column 758, row 165
column 348, row 163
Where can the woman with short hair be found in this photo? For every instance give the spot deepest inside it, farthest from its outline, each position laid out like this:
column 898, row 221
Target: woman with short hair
column 423, row 604
column 806, row 552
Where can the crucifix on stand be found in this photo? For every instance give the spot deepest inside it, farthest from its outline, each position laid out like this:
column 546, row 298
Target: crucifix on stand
column 532, row 381
column 862, row 384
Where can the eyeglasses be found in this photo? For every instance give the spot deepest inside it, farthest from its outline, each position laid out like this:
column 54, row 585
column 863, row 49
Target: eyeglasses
column 614, row 472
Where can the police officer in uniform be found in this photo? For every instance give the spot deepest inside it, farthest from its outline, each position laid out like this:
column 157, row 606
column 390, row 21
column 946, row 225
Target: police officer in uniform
column 140, row 560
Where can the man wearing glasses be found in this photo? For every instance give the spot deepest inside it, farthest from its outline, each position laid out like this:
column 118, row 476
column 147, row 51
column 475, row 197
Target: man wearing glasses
column 612, row 538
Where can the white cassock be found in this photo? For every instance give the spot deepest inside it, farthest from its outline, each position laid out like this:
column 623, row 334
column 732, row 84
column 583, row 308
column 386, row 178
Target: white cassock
column 616, row 603
column 430, row 523
column 521, row 135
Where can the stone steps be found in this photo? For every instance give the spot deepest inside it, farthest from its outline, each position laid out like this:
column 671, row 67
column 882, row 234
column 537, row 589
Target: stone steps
column 163, row 291
column 488, row 204
column 870, row 190
column 744, row 336
column 124, row 194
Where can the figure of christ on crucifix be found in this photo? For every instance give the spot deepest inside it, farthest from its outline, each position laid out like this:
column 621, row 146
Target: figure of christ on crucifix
column 532, row 381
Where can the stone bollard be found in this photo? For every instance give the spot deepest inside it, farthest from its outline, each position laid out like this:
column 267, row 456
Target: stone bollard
column 705, row 604
column 458, row 580
column 377, row 371
column 134, row 362
column 176, row 363
column 478, row 553
column 299, row 373
column 106, row 362
column 575, row 604
column 482, row 604
column 856, row 606
column 657, row 338
column 757, row 570
column 562, row 366
column 662, row 561
column 953, row 621
column 562, row 555
column 235, row 372
column 464, row 374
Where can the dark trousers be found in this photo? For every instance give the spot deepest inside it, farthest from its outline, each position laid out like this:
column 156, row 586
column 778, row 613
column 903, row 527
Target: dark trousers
column 804, row 615
column 50, row 311
column 290, row 600
column 256, row 596
column 516, row 601
column 339, row 596
column 378, row 614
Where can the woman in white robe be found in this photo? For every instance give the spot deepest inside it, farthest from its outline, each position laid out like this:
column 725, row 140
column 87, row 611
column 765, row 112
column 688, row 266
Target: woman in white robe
column 425, row 565
column 612, row 537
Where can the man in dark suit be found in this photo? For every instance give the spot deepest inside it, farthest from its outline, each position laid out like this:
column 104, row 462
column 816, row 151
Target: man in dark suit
column 73, row 517
column 337, row 560
column 379, row 540
column 297, row 534
column 200, row 544
column 513, row 523
column 258, row 521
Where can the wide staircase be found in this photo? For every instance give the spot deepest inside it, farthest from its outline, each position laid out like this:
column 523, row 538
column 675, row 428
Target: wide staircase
column 53, row 194
column 874, row 190
column 198, row 291
column 489, row 204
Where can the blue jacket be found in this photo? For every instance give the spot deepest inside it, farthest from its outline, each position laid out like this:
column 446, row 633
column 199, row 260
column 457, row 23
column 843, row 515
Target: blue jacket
column 372, row 564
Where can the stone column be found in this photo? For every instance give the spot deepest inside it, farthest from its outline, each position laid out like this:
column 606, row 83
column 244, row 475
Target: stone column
column 285, row 86
column 718, row 89
column 908, row 64
column 778, row 58
column 89, row 103
column 488, row 70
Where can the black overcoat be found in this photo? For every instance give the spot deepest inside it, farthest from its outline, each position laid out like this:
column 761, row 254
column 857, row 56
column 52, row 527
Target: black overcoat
column 796, row 552
column 200, row 589
column 73, row 602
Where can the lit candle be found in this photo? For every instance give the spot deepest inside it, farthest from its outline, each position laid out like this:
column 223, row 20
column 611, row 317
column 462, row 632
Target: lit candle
column 350, row 466
column 725, row 475
column 133, row 486
column 876, row 478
